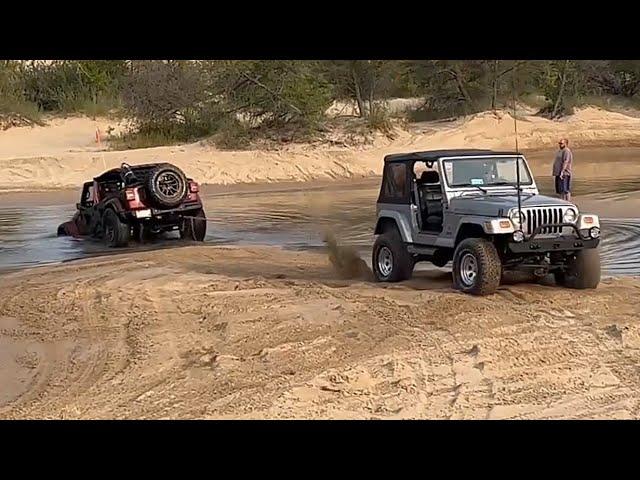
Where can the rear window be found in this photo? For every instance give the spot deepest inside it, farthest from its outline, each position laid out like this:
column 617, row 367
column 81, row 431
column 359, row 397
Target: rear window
column 395, row 182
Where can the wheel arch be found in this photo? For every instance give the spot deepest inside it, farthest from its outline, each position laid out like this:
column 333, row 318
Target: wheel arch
column 470, row 229
column 388, row 219
column 115, row 205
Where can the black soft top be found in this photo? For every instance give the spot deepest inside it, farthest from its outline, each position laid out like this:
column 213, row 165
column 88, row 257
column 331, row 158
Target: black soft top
column 140, row 171
column 433, row 155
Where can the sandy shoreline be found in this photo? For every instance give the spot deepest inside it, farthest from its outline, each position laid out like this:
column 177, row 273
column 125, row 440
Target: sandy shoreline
column 64, row 154
column 205, row 332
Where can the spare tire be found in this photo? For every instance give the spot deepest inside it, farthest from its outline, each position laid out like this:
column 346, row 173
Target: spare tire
column 167, row 185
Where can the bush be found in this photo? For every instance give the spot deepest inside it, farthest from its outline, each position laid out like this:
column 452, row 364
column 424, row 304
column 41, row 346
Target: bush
column 14, row 109
column 273, row 92
column 168, row 99
column 72, row 86
column 378, row 119
column 15, row 112
column 232, row 135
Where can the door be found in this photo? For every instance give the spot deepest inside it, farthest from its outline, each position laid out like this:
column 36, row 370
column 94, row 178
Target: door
column 85, row 216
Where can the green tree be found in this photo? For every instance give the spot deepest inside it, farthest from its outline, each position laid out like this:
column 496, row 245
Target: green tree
column 366, row 81
column 278, row 92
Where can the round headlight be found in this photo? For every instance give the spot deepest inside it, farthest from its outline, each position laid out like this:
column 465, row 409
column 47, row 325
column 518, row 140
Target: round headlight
column 594, row 232
column 517, row 219
column 570, row 216
column 518, row 236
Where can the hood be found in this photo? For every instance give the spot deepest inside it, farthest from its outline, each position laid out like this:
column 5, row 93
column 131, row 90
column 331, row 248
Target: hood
column 492, row 205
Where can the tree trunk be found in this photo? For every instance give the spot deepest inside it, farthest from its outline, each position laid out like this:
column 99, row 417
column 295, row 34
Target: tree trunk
column 563, row 81
column 461, row 87
column 358, row 92
column 494, row 96
column 372, row 87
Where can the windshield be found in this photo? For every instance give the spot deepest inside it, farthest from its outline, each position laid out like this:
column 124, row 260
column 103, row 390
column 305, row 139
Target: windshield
column 485, row 172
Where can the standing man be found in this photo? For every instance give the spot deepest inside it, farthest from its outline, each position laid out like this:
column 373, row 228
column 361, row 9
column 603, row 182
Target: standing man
column 562, row 169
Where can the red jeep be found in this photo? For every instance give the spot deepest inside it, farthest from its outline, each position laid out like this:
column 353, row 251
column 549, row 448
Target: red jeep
column 138, row 201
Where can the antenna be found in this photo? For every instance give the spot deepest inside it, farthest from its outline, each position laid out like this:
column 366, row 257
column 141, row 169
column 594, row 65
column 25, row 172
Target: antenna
column 515, row 127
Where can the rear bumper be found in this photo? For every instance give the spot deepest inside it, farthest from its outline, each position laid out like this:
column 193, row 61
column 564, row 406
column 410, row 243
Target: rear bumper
column 169, row 216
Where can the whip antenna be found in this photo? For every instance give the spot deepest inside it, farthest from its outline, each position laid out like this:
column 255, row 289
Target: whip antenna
column 515, row 127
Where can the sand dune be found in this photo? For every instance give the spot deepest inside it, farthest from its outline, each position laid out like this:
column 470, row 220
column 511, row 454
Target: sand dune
column 64, row 153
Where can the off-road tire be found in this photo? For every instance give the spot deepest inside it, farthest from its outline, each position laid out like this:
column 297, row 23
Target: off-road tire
column 194, row 228
column 483, row 256
column 583, row 270
column 401, row 262
column 116, row 233
column 167, row 186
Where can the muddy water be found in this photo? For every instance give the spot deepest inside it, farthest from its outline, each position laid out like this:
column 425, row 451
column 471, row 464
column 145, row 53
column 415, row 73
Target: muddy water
column 294, row 216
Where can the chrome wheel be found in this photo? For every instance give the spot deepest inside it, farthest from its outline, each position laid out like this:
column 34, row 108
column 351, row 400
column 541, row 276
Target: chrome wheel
column 468, row 269
column 385, row 261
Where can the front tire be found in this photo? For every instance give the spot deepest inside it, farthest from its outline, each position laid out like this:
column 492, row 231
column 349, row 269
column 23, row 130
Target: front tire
column 116, row 233
column 477, row 268
column 583, row 270
column 390, row 260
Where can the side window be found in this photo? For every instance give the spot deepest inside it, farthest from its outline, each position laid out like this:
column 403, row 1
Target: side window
column 396, row 181
column 87, row 197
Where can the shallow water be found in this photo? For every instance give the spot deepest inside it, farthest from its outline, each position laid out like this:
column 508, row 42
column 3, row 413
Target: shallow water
column 291, row 216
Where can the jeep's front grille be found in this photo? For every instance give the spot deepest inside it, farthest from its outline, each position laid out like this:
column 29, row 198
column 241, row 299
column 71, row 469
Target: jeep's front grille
column 534, row 217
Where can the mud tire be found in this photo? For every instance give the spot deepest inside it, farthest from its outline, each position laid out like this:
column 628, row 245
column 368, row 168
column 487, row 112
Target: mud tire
column 477, row 268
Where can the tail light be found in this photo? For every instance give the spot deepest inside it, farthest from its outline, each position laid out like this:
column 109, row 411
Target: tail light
column 194, row 187
column 133, row 198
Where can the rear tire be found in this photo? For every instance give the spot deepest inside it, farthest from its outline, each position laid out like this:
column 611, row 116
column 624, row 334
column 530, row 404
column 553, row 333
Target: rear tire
column 390, row 260
column 477, row 268
column 194, row 228
column 115, row 232
column 583, row 270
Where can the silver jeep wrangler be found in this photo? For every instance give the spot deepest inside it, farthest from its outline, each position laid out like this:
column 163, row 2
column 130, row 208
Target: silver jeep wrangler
column 481, row 210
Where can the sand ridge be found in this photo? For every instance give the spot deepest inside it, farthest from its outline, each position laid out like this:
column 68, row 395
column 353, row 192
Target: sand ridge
column 64, row 153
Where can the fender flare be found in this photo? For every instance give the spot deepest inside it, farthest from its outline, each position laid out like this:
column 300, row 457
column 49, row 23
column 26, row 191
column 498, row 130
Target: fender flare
column 403, row 226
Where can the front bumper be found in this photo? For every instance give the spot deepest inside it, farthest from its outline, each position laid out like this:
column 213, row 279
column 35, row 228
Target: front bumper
column 536, row 244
